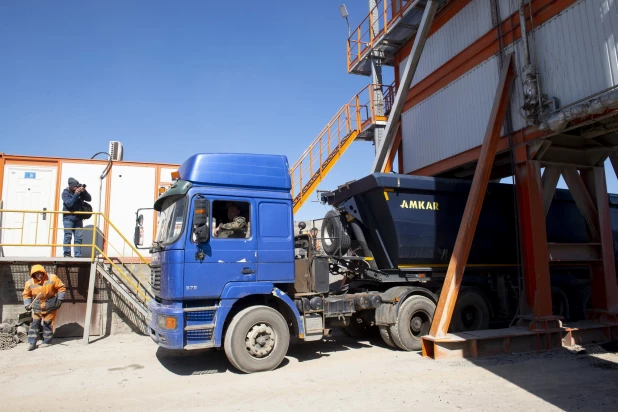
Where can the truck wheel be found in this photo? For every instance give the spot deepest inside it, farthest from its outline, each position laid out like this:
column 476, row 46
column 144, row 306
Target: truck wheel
column 559, row 303
column 413, row 322
column 385, row 333
column 334, row 236
column 471, row 312
column 257, row 339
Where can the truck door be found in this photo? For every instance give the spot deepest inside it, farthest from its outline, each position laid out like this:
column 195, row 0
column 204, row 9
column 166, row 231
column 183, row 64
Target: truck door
column 230, row 254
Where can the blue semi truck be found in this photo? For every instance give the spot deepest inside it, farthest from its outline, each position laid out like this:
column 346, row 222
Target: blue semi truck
column 228, row 271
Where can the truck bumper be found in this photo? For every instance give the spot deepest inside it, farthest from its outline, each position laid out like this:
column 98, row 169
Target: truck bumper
column 166, row 338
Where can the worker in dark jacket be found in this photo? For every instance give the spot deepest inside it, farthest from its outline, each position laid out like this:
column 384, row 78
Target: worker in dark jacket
column 73, row 198
column 43, row 294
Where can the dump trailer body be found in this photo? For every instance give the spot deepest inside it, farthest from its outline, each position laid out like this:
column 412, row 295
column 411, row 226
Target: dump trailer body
column 413, row 221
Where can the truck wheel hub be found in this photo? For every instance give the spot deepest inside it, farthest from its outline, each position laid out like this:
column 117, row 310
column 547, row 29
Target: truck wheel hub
column 416, row 324
column 260, row 340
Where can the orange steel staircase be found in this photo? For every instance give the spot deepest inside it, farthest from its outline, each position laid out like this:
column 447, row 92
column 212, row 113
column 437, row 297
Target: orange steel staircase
column 356, row 120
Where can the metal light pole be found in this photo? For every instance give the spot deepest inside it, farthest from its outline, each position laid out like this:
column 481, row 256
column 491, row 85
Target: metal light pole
column 344, row 13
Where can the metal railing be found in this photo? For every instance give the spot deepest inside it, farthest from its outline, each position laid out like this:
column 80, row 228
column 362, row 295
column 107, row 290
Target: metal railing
column 379, row 21
column 25, row 233
column 356, row 116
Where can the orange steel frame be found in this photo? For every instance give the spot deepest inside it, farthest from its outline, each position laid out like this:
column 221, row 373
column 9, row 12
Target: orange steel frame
column 463, row 243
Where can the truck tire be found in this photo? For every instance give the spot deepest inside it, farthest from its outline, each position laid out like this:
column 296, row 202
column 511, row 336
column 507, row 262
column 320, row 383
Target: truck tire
column 334, row 236
column 413, row 322
column 471, row 312
column 385, row 333
column 584, row 302
column 257, row 339
column 559, row 303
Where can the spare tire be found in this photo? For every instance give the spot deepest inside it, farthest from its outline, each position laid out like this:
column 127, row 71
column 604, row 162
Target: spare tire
column 334, row 236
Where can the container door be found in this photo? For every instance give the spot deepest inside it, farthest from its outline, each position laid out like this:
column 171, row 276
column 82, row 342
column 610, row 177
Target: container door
column 28, row 188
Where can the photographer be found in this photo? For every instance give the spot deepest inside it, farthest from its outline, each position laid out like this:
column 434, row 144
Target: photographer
column 73, row 198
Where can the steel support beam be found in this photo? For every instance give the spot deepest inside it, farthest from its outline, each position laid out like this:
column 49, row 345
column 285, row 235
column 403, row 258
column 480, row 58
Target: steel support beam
column 461, row 250
column 603, row 274
column 583, row 200
column 613, row 157
column 387, row 143
column 550, row 179
column 89, row 301
column 535, row 302
column 388, row 165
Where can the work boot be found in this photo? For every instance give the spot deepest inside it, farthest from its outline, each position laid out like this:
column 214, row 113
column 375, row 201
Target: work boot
column 46, row 343
column 31, row 346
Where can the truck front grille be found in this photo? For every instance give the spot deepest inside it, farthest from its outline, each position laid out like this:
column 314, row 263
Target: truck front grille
column 155, row 277
column 196, row 337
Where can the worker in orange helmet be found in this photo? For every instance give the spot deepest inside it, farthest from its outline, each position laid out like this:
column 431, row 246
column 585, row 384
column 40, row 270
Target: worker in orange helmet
column 44, row 294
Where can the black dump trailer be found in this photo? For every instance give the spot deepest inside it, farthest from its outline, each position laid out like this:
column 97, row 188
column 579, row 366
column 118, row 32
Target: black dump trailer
column 397, row 232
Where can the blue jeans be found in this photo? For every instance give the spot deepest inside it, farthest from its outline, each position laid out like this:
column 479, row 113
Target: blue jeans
column 75, row 226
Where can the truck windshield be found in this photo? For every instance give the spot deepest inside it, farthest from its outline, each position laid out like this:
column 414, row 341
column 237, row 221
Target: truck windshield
column 171, row 220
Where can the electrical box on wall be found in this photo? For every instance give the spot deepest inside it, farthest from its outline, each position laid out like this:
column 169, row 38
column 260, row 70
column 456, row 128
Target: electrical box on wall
column 115, row 150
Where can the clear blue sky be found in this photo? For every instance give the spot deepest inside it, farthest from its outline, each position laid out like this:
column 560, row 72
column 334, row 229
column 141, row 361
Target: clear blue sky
column 169, row 79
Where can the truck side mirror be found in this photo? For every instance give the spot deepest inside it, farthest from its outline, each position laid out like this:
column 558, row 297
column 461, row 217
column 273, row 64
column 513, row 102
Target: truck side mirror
column 201, row 231
column 138, row 235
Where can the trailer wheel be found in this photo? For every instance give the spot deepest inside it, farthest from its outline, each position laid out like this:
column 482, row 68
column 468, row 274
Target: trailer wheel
column 559, row 303
column 471, row 312
column 413, row 322
column 334, row 235
column 385, row 333
column 584, row 302
column 257, row 339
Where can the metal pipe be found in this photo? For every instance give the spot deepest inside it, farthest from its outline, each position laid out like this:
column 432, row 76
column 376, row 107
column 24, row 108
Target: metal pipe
column 529, row 79
column 524, row 33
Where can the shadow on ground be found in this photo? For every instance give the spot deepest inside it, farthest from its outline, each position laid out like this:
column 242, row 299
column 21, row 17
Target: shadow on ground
column 213, row 361
column 570, row 380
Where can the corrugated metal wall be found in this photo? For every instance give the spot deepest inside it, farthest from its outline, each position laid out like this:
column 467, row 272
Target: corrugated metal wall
column 452, row 120
column 576, row 57
column 473, row 21
column 577, row 51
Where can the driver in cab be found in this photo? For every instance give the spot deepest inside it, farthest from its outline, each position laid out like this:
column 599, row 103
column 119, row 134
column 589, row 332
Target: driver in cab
column 236, row 228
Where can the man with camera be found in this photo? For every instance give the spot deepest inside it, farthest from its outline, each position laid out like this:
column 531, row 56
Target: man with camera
column 73, row 198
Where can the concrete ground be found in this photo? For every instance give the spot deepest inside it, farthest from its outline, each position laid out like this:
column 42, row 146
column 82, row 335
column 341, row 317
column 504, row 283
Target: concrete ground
column 129, row 373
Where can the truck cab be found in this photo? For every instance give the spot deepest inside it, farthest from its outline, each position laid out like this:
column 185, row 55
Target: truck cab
column 225, row 245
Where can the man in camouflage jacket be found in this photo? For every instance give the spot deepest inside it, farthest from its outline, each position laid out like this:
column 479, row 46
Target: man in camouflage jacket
column 237, row 228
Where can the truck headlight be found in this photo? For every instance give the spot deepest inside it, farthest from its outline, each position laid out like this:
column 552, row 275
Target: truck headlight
column 167, row 322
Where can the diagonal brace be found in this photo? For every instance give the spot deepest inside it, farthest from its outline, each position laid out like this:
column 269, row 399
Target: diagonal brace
column 550, row 179
column 386, row 146
column 583, row 200
column 459, row 258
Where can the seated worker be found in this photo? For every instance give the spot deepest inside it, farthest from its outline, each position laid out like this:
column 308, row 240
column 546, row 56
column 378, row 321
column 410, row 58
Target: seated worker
column 238, row 226
column 43, row 294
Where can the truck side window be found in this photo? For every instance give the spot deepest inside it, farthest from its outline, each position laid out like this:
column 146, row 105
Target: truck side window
column 234, row 218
